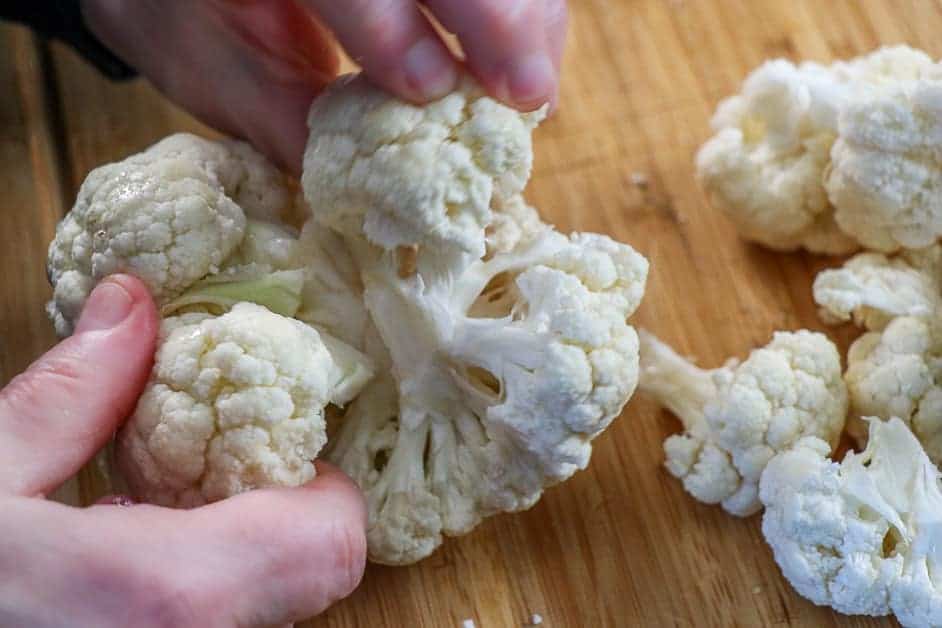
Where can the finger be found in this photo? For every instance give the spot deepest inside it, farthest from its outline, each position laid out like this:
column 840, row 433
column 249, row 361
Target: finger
column 263, row 558
column 249, row 68
column 506, row 46
column 394, row 44
column 556, row 17
column 63, row 409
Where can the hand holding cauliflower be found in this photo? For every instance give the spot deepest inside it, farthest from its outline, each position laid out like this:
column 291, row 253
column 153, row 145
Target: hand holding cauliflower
column 740, row 415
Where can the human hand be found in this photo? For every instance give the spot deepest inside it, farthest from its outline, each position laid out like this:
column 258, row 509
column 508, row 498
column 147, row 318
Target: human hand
column 252, row 67
column 262, row 558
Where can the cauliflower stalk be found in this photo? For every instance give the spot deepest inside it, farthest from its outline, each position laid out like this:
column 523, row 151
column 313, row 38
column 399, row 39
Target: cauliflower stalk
column 237, row 393
column 831, row 157
column 737, row 417
column 861, row 536
column 505, row 342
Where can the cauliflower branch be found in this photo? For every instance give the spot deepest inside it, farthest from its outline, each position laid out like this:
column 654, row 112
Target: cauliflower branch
column 506, row 343
column 861, row 536
column 738, row 416
column 801, row 155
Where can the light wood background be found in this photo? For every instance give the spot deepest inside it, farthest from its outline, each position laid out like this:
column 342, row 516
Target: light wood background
column 620, row 544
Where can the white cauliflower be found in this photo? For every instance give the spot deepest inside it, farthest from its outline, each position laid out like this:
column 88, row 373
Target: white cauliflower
column 740, row 415
column 861, row 536
column 505, row 342
column 169, row 215
column 235, row 402
column 897, row 372
column 404, row 175
column 885, row 178
column 895, row 369
column 872, row 288
column 766, row 165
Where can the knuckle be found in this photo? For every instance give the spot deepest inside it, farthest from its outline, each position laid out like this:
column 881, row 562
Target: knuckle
column 378, row 22
column 502, row 15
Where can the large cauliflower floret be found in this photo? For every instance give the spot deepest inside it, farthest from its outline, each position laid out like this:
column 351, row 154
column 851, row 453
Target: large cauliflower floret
column 235, row 402
column 886, row 173
column 898, row 372
column 872, row 289
column 740, row 415
column 861, row 536
column 405, row 175
column 763, row 167
column 766, row 165
column 169, row 215
column 501, row 377
column 505, row 342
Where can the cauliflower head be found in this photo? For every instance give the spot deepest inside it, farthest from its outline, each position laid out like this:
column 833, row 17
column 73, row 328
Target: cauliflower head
column 774, row 143
column 897, row 372
column 737, row 417
column 502, row 344
column 860, row 536
column 885, row 179
column 872, row 289
column 404, row 175
column 169, row 215
column 234, row 402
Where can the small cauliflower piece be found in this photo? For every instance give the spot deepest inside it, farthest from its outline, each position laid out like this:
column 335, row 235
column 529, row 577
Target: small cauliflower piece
column 774, row 142
column 872, row 289
column 897, row 372
column 502, row 345
column 740, row 415
column 169, row 215
column 403, row 175
column 235, row 402
column 860, row 536
column 885, row 179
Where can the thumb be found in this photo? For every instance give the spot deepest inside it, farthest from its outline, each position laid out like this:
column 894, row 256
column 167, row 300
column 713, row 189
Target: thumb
column 63, row 409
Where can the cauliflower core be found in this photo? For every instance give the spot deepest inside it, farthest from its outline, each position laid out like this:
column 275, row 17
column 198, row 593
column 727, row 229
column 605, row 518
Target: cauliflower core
column 737, row 417
column 505, row 342
column 800, row 142
column 169, row 215
column 235, row 402
column 861, row 536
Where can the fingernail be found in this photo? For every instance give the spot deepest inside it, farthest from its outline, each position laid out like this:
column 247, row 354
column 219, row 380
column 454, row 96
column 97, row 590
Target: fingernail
column 530, row 80
column 108, row 305
column 430, row 72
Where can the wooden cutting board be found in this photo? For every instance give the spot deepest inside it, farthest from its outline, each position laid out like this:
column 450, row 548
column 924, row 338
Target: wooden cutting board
column 620, row 544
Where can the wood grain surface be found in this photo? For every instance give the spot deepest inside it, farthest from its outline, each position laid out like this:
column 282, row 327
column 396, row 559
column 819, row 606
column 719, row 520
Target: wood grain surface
column 620, row 544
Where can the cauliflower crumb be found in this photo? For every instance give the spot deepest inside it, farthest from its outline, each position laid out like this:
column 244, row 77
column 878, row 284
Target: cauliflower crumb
column 536, row 619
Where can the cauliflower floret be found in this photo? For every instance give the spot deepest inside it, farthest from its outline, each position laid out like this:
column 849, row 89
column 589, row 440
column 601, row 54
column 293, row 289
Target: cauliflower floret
column 406, row 175
column 501, row 377
column 765, row 166
column 898, row 372
column 861, row 536
column 872, row 289
column 234, row 402
column 885, row 179
column 740, row 415
column 169, row 215
column 505, row 342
